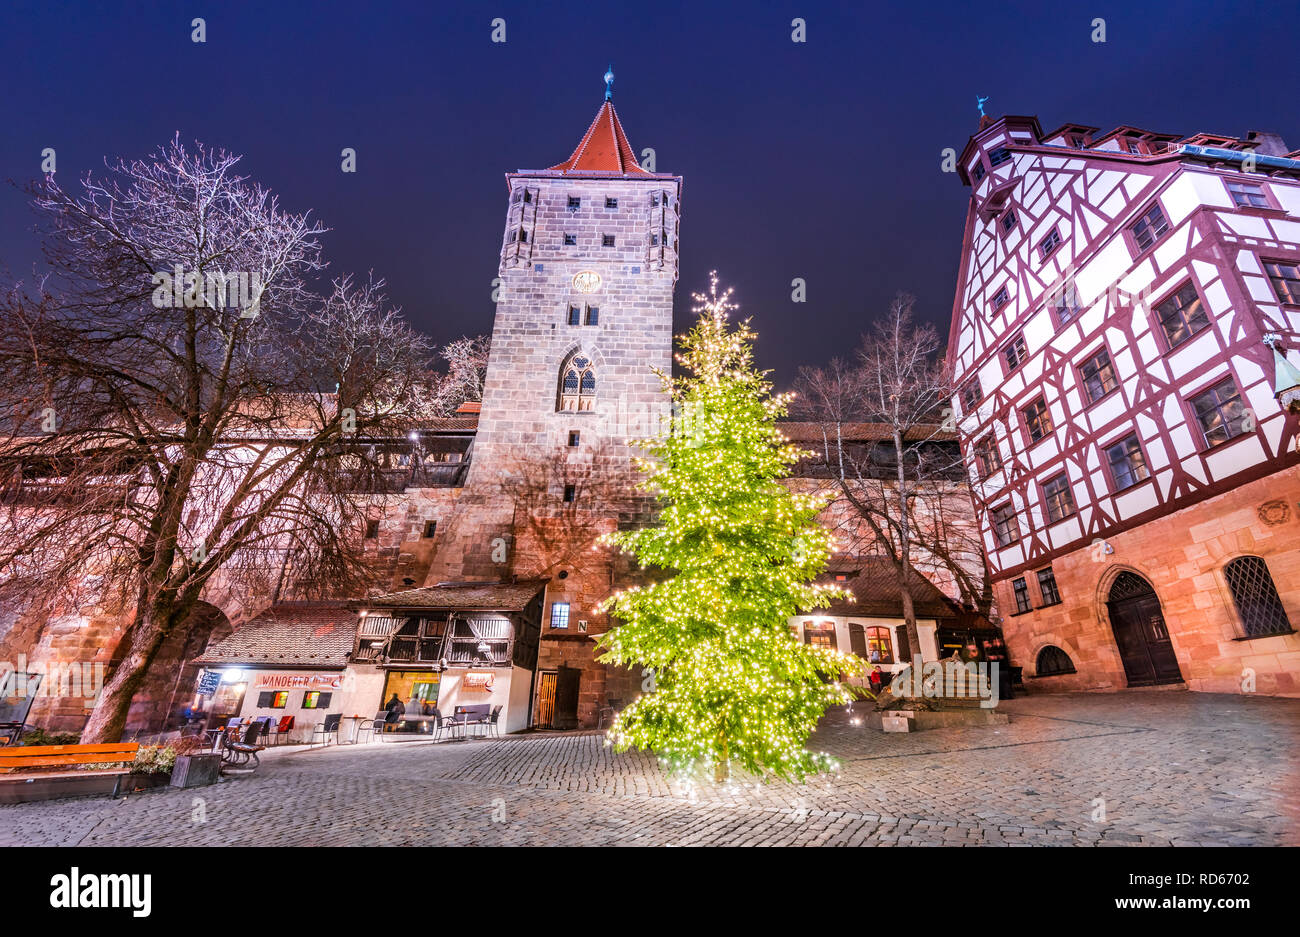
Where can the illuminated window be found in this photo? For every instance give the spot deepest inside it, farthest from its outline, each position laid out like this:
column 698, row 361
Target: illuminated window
column 820, row 633
column 880, row 645
column 315, row 699
column 559, row 614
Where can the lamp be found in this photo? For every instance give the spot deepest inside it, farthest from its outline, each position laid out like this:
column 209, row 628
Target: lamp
column 1286, row 377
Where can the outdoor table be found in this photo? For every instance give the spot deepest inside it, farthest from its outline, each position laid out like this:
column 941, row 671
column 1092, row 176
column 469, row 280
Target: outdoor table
column 356, row 722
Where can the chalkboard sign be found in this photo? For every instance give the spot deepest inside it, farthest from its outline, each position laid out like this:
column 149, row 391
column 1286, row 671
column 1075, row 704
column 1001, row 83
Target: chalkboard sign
column 209, row 682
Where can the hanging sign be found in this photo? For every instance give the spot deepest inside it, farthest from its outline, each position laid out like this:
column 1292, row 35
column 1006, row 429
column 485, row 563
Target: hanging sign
column 208, row 682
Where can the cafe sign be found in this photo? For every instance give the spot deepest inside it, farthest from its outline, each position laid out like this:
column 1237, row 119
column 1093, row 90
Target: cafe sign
column 305, row 681
column 478, row 682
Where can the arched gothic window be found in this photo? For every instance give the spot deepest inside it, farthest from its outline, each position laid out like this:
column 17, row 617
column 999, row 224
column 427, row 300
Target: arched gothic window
column 577, row 384
column 1258, row 603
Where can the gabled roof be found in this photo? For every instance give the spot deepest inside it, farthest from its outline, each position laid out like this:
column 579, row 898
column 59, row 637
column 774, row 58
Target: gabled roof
column 484, row 596
column 876, row 593
column 290, row 634
column 603, row 148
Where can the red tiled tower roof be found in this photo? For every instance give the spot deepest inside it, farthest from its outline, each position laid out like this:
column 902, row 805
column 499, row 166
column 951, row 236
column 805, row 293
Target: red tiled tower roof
column 604, row 147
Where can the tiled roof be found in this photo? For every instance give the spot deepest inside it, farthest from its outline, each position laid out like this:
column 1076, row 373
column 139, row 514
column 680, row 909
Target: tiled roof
column 291, row 634
column 876, row 592
column 604, row 147
column 797, row 431
column 496, row 596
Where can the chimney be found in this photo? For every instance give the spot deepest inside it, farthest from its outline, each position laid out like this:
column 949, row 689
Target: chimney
column 1267, row 143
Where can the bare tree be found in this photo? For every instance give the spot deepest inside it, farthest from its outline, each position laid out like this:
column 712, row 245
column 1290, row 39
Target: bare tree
column 466, row 368
column 881, row 422
column 167, row 433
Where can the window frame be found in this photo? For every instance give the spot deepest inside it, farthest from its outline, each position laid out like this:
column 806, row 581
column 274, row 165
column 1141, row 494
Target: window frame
column 1011, row 518
column 1293, row 294
column 1191, row 398
column 1020, row 593
column 985, row 446
column 1001, row 300
column 1029, row 421
column 560, row 613
column 1083, row 379
column 1264, row 193
column 1066, row 491
column 1117, row 441
column 1172, row 296
column 1050, row 575
column 1044, row 255
column 1022, row 355
column 1249, row 632
column 1059, row 303
column 1132, row 229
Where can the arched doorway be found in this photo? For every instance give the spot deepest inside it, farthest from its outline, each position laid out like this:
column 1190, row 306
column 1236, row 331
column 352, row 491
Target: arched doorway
column 1140, row 632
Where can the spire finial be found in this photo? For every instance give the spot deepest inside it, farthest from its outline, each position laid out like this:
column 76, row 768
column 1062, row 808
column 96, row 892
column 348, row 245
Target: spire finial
column 979, row 102
column 609, row 82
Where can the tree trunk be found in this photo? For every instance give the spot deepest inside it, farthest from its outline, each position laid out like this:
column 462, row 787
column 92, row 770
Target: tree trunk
column 107, row 721
column 722, row 767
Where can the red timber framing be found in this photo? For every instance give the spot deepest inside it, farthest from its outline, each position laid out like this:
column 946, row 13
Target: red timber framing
column 1094, row 197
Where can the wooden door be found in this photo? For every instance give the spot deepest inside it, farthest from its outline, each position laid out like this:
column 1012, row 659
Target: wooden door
column 566, row 697
column 546, row 701
column 1140, row 633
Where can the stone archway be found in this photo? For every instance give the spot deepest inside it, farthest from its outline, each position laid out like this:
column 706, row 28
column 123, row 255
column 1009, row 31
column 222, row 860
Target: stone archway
column 1138, row 626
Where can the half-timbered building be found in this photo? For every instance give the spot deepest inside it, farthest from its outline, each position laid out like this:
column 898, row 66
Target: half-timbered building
column 1124, row 339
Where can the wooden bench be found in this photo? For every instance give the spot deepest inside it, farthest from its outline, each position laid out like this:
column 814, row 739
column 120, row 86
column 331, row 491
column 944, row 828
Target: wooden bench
column 61, row 779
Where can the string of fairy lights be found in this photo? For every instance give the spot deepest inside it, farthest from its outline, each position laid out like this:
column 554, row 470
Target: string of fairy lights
column 738, row 552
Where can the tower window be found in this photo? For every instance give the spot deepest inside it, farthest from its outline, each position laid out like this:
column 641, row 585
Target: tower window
column 570, row 240
column 611, row 203
column 574, row 436
column 430, row 528
column 528, row 195
column 607, row 240
column 654, row 199
column 978, row 172
column 575, row 315
column 593, row 315
column 999, row 156
column 372, row 530
column 570, row 493
column 654, row 240
column 574, row 203
column 577, row 385
column 523, row 236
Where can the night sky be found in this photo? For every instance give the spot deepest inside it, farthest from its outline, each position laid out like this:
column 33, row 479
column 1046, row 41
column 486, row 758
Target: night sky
column 817, row 160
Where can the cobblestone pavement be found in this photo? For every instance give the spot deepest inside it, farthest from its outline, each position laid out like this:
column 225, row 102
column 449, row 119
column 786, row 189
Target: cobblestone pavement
column 1171, row 767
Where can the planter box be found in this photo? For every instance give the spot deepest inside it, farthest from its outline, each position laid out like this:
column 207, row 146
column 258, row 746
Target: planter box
column 141, row 782
column 196, row 770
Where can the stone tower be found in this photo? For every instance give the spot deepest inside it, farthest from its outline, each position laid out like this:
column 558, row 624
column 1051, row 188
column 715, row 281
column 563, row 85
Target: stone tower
column 584, row 318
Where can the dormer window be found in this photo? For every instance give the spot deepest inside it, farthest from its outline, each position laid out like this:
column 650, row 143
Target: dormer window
column 978, row 172
column 999, row 156
column 1076, row 140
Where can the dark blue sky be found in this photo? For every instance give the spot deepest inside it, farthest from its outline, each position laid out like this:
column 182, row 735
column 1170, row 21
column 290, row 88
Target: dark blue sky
column 817, row 160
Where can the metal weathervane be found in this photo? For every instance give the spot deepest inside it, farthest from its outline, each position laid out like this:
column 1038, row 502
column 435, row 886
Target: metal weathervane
column 609, row 83
column 979, row 102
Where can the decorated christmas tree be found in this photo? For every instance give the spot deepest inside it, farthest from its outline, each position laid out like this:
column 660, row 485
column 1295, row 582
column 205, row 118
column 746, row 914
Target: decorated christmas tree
column 733, row 555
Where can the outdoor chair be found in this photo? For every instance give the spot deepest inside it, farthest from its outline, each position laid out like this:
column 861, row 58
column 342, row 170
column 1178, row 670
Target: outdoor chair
column 327, row 728
column 237, row 753
column 284, row 728
column 374, row 726
column 494, row 721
